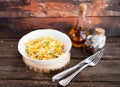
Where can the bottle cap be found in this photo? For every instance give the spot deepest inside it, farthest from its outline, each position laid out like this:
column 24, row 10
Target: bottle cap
column 99, row 31
column 82, row 7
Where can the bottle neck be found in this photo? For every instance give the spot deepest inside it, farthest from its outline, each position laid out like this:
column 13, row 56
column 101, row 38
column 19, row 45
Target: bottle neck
column 82, row 15
column 80, row 20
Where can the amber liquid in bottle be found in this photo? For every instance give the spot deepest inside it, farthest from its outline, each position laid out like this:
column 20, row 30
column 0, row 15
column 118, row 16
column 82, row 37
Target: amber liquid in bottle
column 79, row 34
column 78, row 37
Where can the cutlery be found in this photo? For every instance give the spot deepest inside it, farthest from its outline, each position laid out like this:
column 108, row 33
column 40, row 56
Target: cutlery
column 70, row 70
column 90, row 62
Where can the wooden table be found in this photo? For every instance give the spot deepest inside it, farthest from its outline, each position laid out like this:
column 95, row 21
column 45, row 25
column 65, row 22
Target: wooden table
column 14, row 73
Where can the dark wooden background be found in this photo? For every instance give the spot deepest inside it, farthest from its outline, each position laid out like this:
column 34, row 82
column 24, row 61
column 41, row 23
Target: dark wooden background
column 18, row 18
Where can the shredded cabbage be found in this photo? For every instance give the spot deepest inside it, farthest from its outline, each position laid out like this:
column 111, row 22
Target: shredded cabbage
column 44, row 48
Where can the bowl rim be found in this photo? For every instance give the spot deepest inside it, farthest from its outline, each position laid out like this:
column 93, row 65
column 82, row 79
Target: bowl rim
column 65, row 53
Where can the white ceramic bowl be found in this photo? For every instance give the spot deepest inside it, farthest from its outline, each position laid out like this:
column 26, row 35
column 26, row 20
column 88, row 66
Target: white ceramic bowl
column 50, row 33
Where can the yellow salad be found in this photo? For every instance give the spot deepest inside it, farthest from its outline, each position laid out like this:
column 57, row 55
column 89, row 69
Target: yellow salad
column 44, row 48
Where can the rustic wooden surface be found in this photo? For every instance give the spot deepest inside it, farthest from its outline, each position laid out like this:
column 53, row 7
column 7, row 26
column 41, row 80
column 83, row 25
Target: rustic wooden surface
column 18, row 18
column 15, row 16
column 14, row 73
column 17, row 27
column 57, row 8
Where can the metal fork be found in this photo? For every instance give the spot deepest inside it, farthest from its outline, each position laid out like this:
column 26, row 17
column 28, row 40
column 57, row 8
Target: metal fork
column 91, row 62
column 72, row 69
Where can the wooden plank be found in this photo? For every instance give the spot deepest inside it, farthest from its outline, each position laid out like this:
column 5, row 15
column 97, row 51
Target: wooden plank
column 59, row 8
column 17, row 27
column 31, row 83
column 105, row 70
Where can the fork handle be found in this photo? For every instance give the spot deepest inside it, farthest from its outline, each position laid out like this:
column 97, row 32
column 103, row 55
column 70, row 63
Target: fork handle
column 66, row 81
column 66, row 72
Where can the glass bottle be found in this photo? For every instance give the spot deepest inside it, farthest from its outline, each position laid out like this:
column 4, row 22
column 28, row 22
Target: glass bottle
column 95, row 42
column 80, row 32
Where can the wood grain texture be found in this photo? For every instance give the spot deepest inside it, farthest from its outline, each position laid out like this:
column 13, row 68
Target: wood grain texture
column 17, row 27
column 59, row 8
column 17, row 19
column 104, row 71
column 30, row 83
